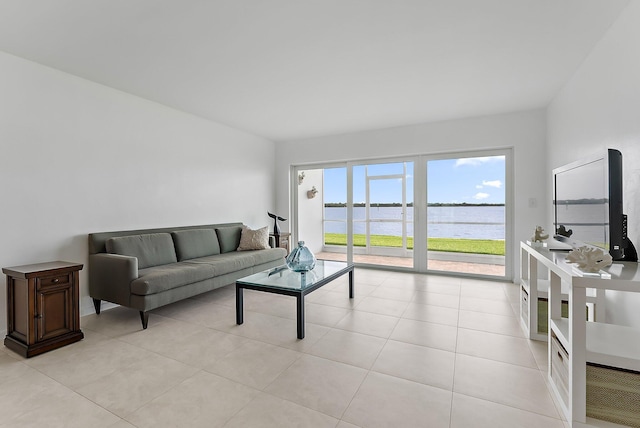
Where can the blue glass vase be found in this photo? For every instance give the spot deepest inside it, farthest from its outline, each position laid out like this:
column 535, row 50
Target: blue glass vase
column 301, row 259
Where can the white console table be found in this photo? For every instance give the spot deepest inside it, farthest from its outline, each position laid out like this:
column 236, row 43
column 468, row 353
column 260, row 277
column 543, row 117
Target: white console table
column 535, row 265
column 574, row 342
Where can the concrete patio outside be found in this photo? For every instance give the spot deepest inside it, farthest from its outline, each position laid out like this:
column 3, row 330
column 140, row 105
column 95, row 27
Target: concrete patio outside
column 457, row 264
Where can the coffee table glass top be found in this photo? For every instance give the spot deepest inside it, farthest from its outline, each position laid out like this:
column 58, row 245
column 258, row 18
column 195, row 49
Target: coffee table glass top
column 283, row 278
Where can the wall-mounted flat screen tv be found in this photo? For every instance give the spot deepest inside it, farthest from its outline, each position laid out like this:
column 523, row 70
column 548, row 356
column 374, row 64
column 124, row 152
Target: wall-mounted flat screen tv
column 587, row 204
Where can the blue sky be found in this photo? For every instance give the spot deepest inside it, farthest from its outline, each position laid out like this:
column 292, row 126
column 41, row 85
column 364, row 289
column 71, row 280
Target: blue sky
column 470, row 180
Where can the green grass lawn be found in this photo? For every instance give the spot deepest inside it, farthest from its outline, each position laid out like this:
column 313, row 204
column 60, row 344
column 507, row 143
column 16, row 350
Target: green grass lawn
column 454, row 245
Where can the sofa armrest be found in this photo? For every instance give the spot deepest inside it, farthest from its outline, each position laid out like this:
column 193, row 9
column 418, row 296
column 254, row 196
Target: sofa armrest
column 110, row 277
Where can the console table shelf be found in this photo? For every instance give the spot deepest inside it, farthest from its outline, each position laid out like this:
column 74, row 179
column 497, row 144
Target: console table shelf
column 533, row 268
column 578, row 347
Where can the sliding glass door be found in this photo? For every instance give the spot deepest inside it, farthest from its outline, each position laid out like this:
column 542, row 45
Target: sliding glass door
column 368, row 222
column 446, row 214
column 466, row 215
column 383, row 213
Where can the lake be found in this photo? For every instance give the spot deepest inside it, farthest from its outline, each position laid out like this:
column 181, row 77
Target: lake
column 470, row 222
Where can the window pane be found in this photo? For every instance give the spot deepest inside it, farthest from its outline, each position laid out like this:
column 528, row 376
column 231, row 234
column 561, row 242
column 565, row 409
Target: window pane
column 466, row 215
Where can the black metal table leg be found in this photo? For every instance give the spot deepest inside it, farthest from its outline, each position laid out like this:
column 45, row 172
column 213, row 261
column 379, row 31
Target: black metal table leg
column 351, row 284
column 300, row 317
column 239, row 305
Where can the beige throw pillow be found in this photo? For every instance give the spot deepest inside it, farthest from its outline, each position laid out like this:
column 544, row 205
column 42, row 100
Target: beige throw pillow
column 254, row 239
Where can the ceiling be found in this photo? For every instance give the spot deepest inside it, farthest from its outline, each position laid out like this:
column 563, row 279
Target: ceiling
column 293, row 69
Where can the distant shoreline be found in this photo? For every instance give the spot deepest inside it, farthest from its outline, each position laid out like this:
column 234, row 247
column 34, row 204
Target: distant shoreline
column 398, row 204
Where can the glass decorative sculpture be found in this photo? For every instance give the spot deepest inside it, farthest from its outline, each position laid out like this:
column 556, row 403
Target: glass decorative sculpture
column 301, row 259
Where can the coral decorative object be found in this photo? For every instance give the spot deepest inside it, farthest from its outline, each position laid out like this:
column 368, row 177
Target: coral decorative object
column 590, row 259
column 539, row 235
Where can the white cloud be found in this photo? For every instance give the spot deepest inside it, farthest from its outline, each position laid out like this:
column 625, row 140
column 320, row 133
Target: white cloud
column 494, row 183
column 479, row 186
column 479, row 196
column 478, row 161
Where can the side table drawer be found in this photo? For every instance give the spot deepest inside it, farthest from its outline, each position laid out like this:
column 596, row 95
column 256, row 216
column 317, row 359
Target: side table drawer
column 50, row 281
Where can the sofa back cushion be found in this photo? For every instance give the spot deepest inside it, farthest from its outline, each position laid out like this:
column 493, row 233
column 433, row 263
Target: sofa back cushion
column 194, row 243
column 152, row 249
column 229, row 238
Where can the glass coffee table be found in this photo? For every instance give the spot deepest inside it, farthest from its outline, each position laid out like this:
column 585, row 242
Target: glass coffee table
column 281, row 280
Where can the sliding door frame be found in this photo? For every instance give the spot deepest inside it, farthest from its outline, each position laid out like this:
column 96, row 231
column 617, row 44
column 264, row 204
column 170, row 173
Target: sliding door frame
column 420, row 199
column 507, row 152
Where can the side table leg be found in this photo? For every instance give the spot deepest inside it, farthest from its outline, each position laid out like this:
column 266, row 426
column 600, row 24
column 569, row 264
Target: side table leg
column 239, row 314
column 351, row 284
column 300, row 317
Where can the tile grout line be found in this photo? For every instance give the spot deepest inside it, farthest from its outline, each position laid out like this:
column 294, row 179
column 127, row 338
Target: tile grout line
column 455, row 361
column 302, row 353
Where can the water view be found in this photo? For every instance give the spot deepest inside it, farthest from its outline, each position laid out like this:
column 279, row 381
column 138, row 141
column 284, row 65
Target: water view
column 468, row 222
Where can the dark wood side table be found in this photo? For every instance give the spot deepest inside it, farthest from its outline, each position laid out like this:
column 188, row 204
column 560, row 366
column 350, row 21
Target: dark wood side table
column 42, row 307
column 282, row 240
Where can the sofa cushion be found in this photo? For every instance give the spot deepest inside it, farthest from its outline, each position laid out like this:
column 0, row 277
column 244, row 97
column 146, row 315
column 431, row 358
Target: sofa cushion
column 231, row 262
column 194, row 243
column 229, row 238
column 166, row 277
column 254, row 239
column 152, row 249
column 226, row 262
column 268, row 255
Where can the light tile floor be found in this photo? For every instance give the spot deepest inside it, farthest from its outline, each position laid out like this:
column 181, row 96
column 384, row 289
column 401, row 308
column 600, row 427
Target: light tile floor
column 409, row 351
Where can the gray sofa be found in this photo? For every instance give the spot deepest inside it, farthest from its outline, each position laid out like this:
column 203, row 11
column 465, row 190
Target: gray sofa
column 150, row 268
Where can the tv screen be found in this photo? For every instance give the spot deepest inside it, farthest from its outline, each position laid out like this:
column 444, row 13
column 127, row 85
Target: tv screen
column 588, row 203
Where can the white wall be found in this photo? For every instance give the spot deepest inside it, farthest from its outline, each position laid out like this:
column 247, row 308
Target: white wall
column 600, row 108
column 523, row 131
column 78, row 157
column 310, row 211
